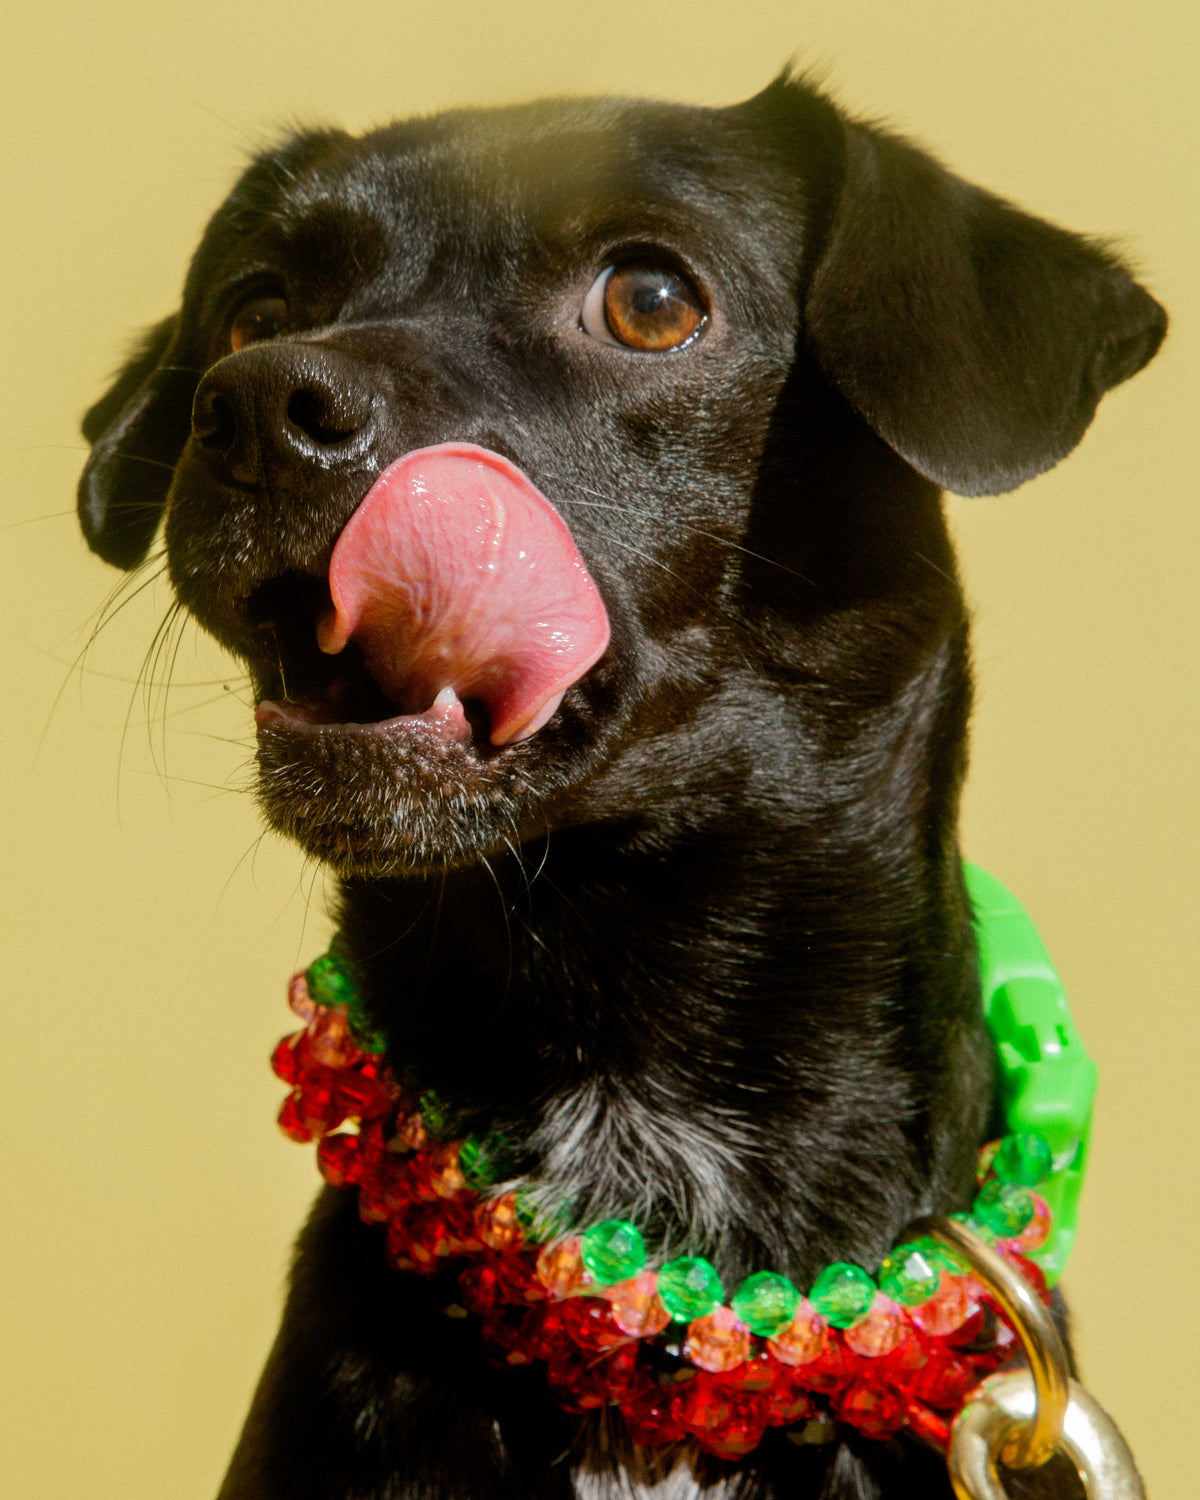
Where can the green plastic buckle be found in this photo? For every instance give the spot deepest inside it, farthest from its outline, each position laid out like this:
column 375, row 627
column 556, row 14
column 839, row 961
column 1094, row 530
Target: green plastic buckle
column 1046, row 1081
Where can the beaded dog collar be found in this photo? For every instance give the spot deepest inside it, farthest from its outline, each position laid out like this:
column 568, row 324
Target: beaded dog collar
column 902, row 1349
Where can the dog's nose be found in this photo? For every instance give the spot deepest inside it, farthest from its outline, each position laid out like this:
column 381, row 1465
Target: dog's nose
column 272, row 408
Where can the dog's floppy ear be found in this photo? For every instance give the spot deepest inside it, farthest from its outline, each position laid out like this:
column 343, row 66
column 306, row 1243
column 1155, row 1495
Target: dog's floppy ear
column 137, row 431
column 975, row 339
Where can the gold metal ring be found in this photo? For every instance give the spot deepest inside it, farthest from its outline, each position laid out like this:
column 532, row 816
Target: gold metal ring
column 1026, row 1444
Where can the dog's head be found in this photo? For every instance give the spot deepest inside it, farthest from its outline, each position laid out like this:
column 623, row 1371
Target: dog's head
column 640, row 413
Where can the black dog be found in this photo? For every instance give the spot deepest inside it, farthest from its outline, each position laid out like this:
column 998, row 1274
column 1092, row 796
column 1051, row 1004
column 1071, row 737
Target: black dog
column 700, row 944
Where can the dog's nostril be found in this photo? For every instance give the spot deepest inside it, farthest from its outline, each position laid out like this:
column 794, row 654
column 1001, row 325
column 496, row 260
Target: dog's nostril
column 215, row 423
column 318, row 418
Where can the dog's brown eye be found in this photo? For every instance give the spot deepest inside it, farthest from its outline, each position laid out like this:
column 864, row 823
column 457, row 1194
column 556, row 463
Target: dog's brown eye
column 643, row 307
column 260, row 318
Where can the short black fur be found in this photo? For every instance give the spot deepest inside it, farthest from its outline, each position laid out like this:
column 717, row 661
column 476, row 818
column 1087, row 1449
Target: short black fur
column 701, row 946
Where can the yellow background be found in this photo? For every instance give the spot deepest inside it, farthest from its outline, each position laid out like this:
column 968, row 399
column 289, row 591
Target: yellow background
column 149, row 1202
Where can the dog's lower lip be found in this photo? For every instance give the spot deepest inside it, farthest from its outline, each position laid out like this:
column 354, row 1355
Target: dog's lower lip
column 443, row 720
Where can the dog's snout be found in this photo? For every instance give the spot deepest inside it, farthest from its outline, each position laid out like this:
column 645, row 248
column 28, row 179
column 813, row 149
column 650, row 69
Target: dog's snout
column 285, row 407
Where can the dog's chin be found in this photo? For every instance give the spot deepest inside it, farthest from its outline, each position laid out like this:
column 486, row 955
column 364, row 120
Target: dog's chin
column 411, row 795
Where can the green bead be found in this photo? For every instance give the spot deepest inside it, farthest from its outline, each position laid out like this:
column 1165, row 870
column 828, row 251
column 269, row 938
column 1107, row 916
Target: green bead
column 842, row 1294
column 910, row 1274
column 484, row 1160
column 365, row 1034
column 766, row 1302
column 330, row 981
column 613, row 1251
column 1025, row 1158
column 980, row 1230
column 689, row 1288
column 942, row 1256
column 541, row 1218
column 1005, row 1207
column 436, row 1115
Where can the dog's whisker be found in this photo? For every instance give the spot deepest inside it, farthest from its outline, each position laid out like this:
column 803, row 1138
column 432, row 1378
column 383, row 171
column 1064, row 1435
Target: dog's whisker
column 624, row 508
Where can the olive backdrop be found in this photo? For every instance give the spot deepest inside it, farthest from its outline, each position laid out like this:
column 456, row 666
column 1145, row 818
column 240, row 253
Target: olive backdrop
column 149, row 1201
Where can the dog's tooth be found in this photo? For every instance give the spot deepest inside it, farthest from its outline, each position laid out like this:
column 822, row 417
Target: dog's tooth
column 447, row 698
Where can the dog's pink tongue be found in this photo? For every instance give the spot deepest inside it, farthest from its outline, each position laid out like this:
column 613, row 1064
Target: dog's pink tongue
column 455, row 572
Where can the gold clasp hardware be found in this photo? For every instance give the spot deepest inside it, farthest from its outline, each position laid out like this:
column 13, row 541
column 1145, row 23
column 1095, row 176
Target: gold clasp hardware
column 1021, row 1418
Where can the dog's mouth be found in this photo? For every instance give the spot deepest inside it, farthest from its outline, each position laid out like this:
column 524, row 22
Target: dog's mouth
column 457, row 608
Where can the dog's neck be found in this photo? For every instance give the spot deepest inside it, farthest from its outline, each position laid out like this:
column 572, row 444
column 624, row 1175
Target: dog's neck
column 761, row 1042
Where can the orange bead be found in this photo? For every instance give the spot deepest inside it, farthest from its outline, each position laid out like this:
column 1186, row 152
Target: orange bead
column 560, row 1268
column 444, row 1171
column 804, row 1339
column 949, row 1307
column 496, row 1223
column 717, row 1341
column 1037, row 1231
column 636, row 1306
column 301, row 1002
column 328, row 1040
column 880, row 1331
column 410, row 1133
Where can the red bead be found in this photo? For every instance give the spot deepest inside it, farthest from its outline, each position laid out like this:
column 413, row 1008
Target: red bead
column 969, row 1330
column 506, row 1335
column 753, row 1375
column 944, row 1381
column 702, row 1404
column 518, row 1278
column 875, row 1411
column 740, row 1434
column 622, row 1373
column 650, row 1416
column 590, row 1323
column 479, row 1286
column 546, row 1334
column 290, row 1120
column 579, row 1379
column 283, row 1060
column 420, row 1178
column 436, row 1232
column 338, row 1160
column 927, row 1425
column 362, row 1097
column 320, row 1108
column 833, row 1368
column 787, row 1402
column 1034, row 1275
column 909, row 1354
